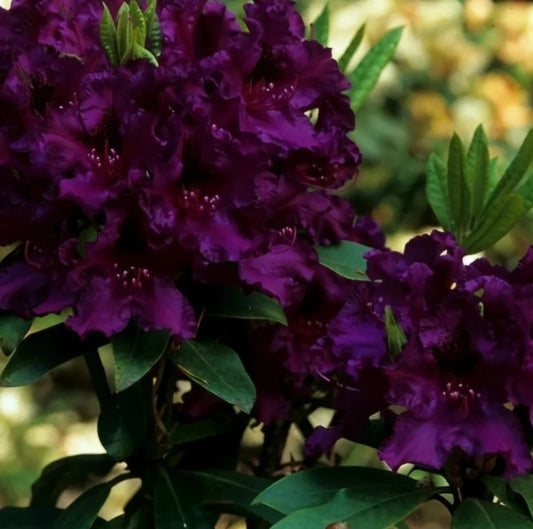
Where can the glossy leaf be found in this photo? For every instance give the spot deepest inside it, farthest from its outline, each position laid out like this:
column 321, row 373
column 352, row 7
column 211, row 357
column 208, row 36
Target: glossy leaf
column 124, row 424
column 437, row 191
column 218, row 369
column 352, row 48
column 67, row 472
column 320, row 27
column 40, row 352
column 366, row 74
column 229, row 302
column 345, row 258
column 82, row 512
column 368, row 506
column 523, row 485
column 136, row 352
column 477, row 171
column 501, row 216
column 198, row 429
column 168, row 509
column 478, row 514
column 458, row 192
column 12, row 331
column 108, row 36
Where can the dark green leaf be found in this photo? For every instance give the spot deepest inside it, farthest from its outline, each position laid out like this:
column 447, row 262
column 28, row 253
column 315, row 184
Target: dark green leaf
column 458, row 192
column 218, row 369
column 350, row 51
column 153, row 30
column 345, row 258
column 523, row 485
column 199, row 429
column 142, row 53
column 27, row 518
column 498, row 487
column 478, row 514
column 318, row 486
column 82, row 512
column 396, row 338
column 525, row 192
column 108, row 36
column 40, row 352
column 477, row 171
column 437, row 191
column 368, row 506
column 366, row 74
column 229, row 302
column 135, row 352
column 124, row 424
column 168, row 509
column 516, row 170
column 501, row 216
column 67, row 472
column 12, row 331
column 321, row 26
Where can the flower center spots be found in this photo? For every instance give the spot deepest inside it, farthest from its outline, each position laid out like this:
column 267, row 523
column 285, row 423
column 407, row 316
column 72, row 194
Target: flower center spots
column 286, row 236
column 317, row 173
column 460, row 393
column 131, row 277
column 106, row 164
column 198, row 204
column 263, row 95
column 36, row 257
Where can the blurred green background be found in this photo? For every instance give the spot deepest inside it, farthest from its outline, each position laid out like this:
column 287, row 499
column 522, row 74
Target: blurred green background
column 457, row 65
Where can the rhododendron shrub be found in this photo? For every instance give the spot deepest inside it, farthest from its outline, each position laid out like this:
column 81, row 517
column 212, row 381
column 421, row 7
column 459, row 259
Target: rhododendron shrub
column 172, row 187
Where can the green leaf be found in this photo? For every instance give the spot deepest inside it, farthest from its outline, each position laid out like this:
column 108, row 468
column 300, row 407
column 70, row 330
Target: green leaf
column 230, row 302
column 218, row 369
column 142, row 53
column 320, row 27
column 124, row 34
column 12, row 331
column 437, row 191
column 199, row 429
column 136, row 352
column 395, row 336
column 125, row 424
column 523, row 485
column 458, row 193
column 501, row 216
column 153, row 30
column 27, row 518
column 139, row 22
column 350, row 51
column 516, row 170
column 525, row 192
column 345, row 258
column 108, row 36
column 319, row 485
column 82, row 512
column 40, row 352
column 67, row 472
column 366, row 74
column 369, row 506
column 168, row 510
column 477, row 171
column 478, row 514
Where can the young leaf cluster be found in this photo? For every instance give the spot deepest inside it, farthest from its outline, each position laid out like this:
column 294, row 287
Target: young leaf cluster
column 136, row 35
column 467, row 197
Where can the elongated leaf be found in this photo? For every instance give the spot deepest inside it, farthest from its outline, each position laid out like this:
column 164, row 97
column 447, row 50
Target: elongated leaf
column 321, row 26
column 396, row 338
column 139, row 21
column 125, row 424
column 39, row 353
column 27, row 518
column 525, row 192
column 229, row 302
column 502, row 215
column 352, row 48
column 370, row 507
column 477, row 171
column 478, row 514
column 458, row 192
column 523, row 485
column 124, row 33
column 108, row 36
column 437, row 191
column 319, row 485
column 199, row 429
column 82, row 512
column 345, row 258
column 155, row 35
column 218, row 369
column 135, row 352
column 142, row 53
column 516, row 170
column 366, row 74
column 67, row 472
column 12, row 331
column 168, row 509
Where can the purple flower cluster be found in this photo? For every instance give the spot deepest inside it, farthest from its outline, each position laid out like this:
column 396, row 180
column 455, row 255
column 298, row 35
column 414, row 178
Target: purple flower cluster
column 122, row 185
column 465, row 365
